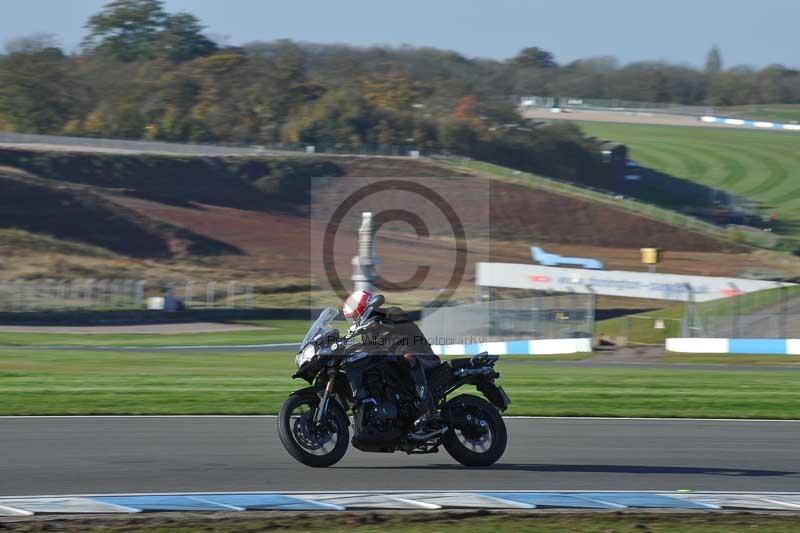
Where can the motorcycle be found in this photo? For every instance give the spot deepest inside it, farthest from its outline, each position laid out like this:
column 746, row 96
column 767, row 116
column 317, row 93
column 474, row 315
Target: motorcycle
column 366, row 380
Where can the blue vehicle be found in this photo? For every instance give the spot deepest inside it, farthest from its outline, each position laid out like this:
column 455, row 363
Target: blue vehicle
column 547, row 259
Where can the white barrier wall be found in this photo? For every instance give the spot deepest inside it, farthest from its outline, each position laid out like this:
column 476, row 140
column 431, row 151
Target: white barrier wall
column 519, row 347
column 750, row 123
column 697, row 345
column 735, row 346
column 615, row 282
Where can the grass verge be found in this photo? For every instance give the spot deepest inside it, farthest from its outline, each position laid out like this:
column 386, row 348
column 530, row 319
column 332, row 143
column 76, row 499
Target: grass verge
column 443, row 522
column 264, row 332
column 61, row 382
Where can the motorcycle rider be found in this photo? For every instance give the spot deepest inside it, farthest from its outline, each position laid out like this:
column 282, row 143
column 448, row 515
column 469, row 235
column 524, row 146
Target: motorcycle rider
column 395, row 331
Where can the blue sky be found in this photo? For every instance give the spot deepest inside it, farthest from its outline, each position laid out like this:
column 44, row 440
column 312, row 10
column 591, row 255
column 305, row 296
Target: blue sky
column 748, row 32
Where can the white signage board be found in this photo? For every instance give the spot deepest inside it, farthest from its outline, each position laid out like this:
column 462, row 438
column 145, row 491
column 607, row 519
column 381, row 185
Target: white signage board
column 615, row 282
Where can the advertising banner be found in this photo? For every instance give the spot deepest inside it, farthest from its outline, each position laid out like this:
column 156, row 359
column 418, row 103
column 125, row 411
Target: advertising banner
column 675, row 287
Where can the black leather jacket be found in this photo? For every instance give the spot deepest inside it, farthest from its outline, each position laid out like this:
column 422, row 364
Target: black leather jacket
column 397, row 333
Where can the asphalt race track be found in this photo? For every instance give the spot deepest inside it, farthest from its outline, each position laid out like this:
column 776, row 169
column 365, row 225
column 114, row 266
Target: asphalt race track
column 78, row 455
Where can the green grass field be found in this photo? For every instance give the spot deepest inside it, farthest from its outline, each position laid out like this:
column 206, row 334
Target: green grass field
column 35, row 381
column 760, row 165
column 270, row 331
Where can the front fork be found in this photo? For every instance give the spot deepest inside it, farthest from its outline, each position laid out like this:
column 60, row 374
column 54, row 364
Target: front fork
column 319, row 416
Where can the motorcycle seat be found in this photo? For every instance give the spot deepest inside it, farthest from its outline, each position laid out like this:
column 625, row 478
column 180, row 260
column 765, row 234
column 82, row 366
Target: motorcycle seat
column 468, row 362
column 428, row 362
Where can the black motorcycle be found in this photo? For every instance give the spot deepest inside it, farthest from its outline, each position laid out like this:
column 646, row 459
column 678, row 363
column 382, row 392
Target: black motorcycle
column 348, row 375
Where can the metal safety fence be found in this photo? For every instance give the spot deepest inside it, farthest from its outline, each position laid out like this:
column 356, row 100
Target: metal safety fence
column 614, row 104
column 539, row 317
column 769, row 314
column 649, row 330
column 25, row 140
column 123, row 294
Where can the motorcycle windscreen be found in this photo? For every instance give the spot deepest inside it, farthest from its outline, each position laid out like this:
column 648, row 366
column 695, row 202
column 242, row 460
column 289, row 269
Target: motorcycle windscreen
column 320, row 326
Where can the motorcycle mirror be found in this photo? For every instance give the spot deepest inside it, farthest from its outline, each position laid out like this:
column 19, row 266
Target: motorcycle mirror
column 376, row 301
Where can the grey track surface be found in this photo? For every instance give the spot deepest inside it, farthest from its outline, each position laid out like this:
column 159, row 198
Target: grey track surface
column 153, row 454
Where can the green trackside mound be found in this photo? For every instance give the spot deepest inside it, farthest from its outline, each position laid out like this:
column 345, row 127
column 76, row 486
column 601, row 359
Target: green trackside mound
column 760, row 165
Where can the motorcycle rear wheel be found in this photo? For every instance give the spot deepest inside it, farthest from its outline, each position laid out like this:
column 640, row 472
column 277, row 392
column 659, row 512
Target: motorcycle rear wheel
column 313, row 445
column 477, row 434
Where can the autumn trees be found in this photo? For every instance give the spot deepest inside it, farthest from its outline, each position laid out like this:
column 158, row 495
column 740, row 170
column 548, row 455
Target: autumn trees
column 145, row 73
column 130, row 30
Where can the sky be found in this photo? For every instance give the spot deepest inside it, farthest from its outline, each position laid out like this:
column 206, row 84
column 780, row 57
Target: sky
column 755, row 33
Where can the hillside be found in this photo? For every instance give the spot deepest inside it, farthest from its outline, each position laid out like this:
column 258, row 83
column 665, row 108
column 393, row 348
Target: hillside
column 84, row 215
column 253, row 218
column 759, row 165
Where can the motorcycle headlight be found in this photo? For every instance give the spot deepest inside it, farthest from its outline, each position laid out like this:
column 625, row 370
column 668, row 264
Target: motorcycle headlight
column 306, row 355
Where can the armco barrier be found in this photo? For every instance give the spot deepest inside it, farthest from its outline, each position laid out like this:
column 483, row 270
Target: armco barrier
column 750, row 123
column 391, row 500
column 735, row 346
column 518, row 347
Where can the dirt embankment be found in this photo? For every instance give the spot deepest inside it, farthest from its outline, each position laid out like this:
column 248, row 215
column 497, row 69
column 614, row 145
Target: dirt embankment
column 266, row 214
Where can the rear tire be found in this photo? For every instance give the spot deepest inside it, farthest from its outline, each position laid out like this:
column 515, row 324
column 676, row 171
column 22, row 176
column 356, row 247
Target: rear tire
column 477, row 434
column 313, row 446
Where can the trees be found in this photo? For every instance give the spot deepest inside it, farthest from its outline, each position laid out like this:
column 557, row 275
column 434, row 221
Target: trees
column 131, row 30
column 38, row 91
column 126, row 29
column 713, row 61
column 181, row 38
column 146, row 73
column 29, row 44
column 534, row 57
column 338, row 117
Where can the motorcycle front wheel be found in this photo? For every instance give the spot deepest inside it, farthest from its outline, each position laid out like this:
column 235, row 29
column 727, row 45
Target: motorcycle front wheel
column 477, row 434
column 315, row 445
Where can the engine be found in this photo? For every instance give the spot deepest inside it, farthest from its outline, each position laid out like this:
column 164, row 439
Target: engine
column 377, row 418
column 381, row 408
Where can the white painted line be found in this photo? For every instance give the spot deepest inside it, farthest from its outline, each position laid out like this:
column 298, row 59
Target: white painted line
column 13, row 511
column 779, row 502
column 687, row 497
column 64, row 504
column 604, row 502
column 465, row 500
column 761, row 494
column 227, row 506
column 414, row 503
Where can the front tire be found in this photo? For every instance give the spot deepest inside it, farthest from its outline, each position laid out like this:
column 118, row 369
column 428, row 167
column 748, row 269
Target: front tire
column 313, row 445
column 477, row 434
